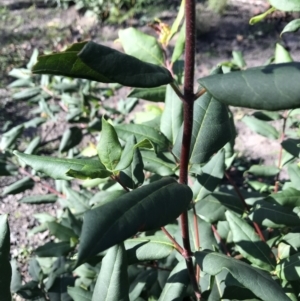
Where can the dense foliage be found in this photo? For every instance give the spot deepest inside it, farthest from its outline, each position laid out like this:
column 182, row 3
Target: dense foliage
column 123, row 178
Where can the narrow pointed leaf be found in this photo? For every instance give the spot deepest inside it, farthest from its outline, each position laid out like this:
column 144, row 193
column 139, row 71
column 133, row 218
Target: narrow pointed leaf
column 19, row 186
column 71, row 137
column 289, row 268
column 177, row 283
column 16, row 278
column 249, row 244
column 147, row 208
column 289, row 198
column 282, row 55
column 261, row 127
column 211, row 175
column 294, row 173
column 79, row 294
column 172, row 117
column 100, row 63
column 259, row 282
column 292, row 26
column 9, row 137
column 61, row 232
column 5, row 267
column 211, row 129
column 152, row 94
column 53, row 249
column 112, row 283
column 57, row 168
column 263, row 170
column 180, row 44
column 141, row 132
column 109, row 148
column 291, row 146
column 279, row 90
column 39, row 199
column 142, row 46
column 147, row 248
column 273, row 215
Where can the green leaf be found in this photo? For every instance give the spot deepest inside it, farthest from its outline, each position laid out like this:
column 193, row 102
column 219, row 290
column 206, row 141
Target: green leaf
column 259, row 282
column 213, row 207
column 39, row 199
column 142, row 46
column 211, row 175
column 267, row 116
column 262, row 16
column 19, row 186
column 290, row 5
column 263, row 170
column 180, row 45
column 61, row 232
column 133, row 176
column 79, row 294
column 7, row 169
column 282, row 55
column 177, row 283
column 289, row 268
column 211, row 130
column 172, row 117
column 5, row 267
column 158, row 163
column 103, row 64
column 280, row 89
column 9, row 137
column 102, row 197
column 238, row 59
column 294, row 173
column 273, row 216
column 249, row 244
column 27, row 93
column 289, row 198
column 109, row 148
column 112, row 283
column 151, row 94
column 58, row 168
column 292, row 26
column 16, row 278
column 33, row 145
column 293, row 239
column 147, row 248
column 291, row 146
column 261, row 127
column 144, row 209
column 76, row 201
column 142, row 132
column 71, row 137
column 53, row 249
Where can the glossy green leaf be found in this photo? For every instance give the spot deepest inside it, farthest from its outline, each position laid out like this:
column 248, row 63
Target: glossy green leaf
column 290, row 5
column 33, row 145
column 100, row 63
column 61, row 232
column 16, row 278
column 76, row 201
column 172, row 117
column 238, row 59
column 109, row 148
column 280, row 89
column 293, row 239
column 177, row 283
column 289, row 268
column 53, row 249
column 102, row 197
column 9, row 137
column 211, row 130
column 259, row 282
column 263, row 170
column 289, row 198
column 147, row 248
column 292, row 146
column 147, row 208
column 5, row 267
column 274, row 216
column 152, row 94
column 294, row 173
column 79, row 294
column 158, row 163
column 177, row 21
column 292, row 26
column 112, row 283
column 133, row 176
column 142, row 132
column 249, row 244
column 211, row 175
column 39, row 199
column 27, row 93
column 212, row 208
column 57, row 168
column 267, row 116
column 261, row 127
column 180, row 45
column 282, row 55
column 142, row 46
column 70, row 138
column 19, row 186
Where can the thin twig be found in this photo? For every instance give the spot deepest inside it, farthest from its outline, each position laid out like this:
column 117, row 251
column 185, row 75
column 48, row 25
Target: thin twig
column 199, row 93
column 117, row 179
column 220, row 240
column 176, row 244
column 177, row 91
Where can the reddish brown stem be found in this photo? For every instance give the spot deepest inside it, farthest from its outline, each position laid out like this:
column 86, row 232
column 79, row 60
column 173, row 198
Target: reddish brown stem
column 117, row 179
column 176, row 245
column 188, row 106
column 197, row 241
column 236, row 189
column 220, row 240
